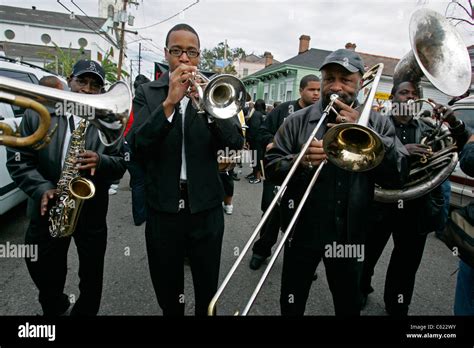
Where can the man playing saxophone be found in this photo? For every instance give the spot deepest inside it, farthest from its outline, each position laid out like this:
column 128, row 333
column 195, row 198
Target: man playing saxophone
column 37, row 173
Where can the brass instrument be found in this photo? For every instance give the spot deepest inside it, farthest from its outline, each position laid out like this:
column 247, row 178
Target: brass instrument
column 10, row 137
column 108, row 112
column 73, row 189
column 359, row 158
column 222, row 97
column 439, row 53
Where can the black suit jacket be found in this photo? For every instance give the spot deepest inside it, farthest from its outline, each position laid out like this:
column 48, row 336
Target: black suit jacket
column 35, row 172
column 156, row 144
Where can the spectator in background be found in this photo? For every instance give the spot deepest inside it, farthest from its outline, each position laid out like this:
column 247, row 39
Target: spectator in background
column 254, row 122
column 137, row 176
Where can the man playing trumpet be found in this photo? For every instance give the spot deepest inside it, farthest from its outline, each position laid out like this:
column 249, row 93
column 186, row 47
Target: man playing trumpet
column 177, row 147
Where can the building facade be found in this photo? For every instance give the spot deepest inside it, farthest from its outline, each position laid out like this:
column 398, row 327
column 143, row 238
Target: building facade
column 280, row 82
column 30, row 35
column 252, row 63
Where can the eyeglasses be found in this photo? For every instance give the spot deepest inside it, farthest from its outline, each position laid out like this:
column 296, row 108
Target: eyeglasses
column 93, row 85
column 177, row 52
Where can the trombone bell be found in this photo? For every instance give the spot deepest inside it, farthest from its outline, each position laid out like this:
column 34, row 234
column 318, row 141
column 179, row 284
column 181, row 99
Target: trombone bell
column 353, row 147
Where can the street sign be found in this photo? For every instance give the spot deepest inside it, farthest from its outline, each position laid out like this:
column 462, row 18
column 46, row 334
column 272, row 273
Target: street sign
column 382, row 95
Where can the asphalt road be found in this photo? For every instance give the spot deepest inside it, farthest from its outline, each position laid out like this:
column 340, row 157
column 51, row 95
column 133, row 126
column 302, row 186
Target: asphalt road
column 128, row 289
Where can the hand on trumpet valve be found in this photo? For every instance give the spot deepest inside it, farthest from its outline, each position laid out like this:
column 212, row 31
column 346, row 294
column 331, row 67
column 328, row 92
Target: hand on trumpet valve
column 179, row 83
column 314, row 155
column 346, row 114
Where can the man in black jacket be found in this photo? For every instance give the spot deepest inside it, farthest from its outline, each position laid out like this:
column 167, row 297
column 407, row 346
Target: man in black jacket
column 409, row 221
column 37, row 173
column 178, row 149
column 334, row 216
column 310, row 87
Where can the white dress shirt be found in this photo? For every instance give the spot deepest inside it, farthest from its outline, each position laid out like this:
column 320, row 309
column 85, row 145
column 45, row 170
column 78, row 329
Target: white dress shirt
column 182, row 110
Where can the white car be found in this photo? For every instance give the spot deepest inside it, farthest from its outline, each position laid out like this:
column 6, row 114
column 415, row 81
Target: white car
column 462, row 185
column 10, row 195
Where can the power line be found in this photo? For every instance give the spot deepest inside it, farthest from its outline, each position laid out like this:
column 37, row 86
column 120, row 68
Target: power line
column 95, row 31
column 167, row 19
column 85, row 14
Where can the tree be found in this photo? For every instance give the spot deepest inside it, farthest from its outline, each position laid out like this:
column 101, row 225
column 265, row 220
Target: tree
column 459, row 13
column 62, row 60
column 209, row 57
column 111, row 68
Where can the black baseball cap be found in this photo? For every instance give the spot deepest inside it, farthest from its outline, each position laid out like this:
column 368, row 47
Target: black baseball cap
column 89, row 66
column 347, row 58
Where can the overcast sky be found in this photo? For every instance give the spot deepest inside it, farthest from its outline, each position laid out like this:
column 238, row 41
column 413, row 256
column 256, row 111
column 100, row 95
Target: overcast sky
column 376, row 26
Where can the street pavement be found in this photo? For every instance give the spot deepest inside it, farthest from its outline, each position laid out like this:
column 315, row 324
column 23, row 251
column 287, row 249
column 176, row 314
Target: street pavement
column 128, row 290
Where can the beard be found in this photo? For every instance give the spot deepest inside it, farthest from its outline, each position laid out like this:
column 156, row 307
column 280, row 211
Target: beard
column 344, row 97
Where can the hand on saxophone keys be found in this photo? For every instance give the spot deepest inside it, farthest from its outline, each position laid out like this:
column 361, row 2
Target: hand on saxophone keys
column 314, row 155
column 87, row 160
column 47, row 196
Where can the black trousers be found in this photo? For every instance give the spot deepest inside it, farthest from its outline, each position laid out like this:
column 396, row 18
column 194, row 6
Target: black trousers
column 228, row 182
column 299, row 265
column 50, row 270
column 409, row 245
column 168, row 237
column 269, row 233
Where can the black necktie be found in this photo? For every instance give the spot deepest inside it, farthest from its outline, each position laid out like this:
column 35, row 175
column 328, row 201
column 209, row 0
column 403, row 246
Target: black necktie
column 72, row 127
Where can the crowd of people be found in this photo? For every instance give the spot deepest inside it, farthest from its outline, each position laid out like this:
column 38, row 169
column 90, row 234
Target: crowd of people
column 179, row 191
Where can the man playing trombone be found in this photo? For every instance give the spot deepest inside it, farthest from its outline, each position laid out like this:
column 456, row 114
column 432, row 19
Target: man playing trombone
column 337, row 208
column 177, row 147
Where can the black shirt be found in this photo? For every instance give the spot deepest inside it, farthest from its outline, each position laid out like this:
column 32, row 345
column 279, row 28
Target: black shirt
column 405, row 132
column 274, row 120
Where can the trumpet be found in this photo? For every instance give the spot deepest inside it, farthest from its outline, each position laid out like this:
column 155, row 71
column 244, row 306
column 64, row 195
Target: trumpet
column 222, row 97
column 352, row 147
column 108, row 112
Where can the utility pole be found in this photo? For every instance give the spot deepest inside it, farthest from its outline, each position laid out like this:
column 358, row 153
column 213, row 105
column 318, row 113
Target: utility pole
column 122, row 44
column 225, row 51
column 139, row 56
column 131, row 73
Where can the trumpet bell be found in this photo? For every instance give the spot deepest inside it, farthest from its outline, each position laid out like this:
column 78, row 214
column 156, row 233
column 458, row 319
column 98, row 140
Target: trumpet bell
column 224, row 96
column 353, row 147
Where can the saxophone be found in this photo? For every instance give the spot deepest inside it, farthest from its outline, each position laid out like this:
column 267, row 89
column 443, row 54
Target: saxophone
column 73, row 189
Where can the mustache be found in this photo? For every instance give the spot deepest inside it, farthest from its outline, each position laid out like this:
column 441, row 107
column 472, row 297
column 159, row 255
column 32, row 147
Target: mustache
column 344, row 97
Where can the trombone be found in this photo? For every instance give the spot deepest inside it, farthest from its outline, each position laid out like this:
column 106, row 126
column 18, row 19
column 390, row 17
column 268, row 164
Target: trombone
column 349, row 146
column 108, row 112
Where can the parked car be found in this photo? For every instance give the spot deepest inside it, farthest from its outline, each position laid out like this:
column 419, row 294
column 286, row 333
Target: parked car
column 462, row 185
column 10, row 195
